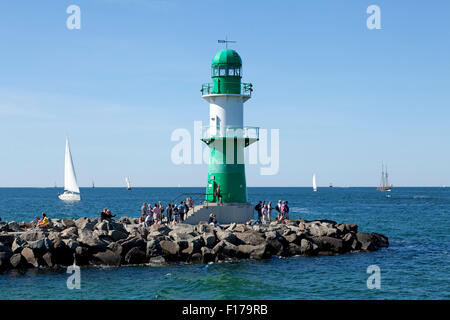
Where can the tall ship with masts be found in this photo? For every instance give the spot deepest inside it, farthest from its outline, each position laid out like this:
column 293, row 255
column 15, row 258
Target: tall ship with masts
column 384, row 184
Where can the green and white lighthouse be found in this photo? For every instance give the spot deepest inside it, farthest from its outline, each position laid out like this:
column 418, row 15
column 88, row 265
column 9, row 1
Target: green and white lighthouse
column 226, row 137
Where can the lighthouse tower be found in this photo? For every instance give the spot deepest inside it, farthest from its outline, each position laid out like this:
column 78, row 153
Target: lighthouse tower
column 226, row 137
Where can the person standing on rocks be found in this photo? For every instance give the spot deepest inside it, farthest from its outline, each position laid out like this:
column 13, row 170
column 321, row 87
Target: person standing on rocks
column 264, row 214
column 269, row 210
column 161, row 211
column 258, row 210
column 144, row 209
column 286, row 210
column 169, row 213
column 181, row 211
column 155, row 213
column 175, row 213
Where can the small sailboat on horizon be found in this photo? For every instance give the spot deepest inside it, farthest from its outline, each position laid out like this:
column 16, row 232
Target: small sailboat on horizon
column 127, row 180
column 314, row 183
column 384, row 184
column 71, row 189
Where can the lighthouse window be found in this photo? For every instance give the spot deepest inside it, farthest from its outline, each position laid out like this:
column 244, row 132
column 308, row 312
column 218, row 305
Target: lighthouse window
column 231, row 72
column 222, row 71
column 215, row 71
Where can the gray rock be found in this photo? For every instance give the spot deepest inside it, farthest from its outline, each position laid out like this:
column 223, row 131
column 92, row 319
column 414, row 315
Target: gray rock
column 133, row 243
column 371, row 241
column 5, row 257
column 18, row 245
column 34, row 235
column 29, row 256
column 153, row 248
column 68, row 223
column 48, row 259
column 61, row 253
column 13, row 227
column 69, row 233
column 40, row 246
column 228, row 237
column 209, row 239
column 225, row 249
column 71, row 244
column 17, row 261
column 207, row 255
column 347, row 227
column 256, row 252
column 169, row 248
column 88, row 238
column 116, row 235
column 157, row 261
column 250, row 237
column 308, row 248
column 332, row 245
column 135, row 256
column 85, row 223
column 107, row 257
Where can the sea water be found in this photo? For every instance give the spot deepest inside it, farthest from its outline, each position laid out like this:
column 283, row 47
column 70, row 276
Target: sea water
column 415, row 266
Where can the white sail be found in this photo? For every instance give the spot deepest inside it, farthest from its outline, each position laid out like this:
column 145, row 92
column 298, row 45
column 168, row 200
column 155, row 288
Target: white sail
column 127, row 180
column 314, row 183
column 70, row 179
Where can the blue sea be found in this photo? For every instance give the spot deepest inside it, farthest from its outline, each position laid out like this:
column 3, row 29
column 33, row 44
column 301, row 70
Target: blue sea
column 415, row 266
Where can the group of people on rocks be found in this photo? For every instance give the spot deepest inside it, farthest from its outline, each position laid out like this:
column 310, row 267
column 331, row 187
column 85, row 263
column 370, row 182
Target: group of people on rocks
column 106, row 215
column 173, row 213
column 265, row 211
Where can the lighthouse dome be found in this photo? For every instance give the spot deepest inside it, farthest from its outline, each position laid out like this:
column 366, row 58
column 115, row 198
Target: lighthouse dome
column 227, row 57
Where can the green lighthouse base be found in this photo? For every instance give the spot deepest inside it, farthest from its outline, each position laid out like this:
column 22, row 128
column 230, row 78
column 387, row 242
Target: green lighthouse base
column 225, row 214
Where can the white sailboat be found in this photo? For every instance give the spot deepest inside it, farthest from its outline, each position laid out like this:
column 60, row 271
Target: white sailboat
column 314, row 183
column 71, row 189
column 127, row 180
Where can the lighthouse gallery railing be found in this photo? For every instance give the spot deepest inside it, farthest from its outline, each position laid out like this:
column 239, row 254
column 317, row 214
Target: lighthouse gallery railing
column 246, row 89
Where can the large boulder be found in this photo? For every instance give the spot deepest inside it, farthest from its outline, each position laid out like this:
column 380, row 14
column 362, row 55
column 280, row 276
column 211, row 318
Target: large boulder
column 69, row 233
column 131, row 243
column 153, row 248
column 29, row 257
column 256, row 252
column 41, row 246
column 209, row 239
column 250, row 237
column 331, row 245
column 68, row 223
column 107, row 257
column 89, row 239
column 82, row 256
column 13, row 227
column 85, row 223
column 61, row 253
column 308, row 248
column 135, row 256
column 117, row 235
column 207, row 255
column 48, row 259
column 169, row 249
column 225, row 249
column 34, row 235
column 323, row 229
column 228, row 237
column 18, row 245
column 116, row 247
column 17, row 261
column 371, row 241
column 347, row 227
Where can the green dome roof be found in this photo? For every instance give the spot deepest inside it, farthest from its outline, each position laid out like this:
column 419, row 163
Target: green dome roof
column 227, row 57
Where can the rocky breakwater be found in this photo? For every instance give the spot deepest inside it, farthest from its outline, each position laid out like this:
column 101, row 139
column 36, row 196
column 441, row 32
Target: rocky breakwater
column 88, row 241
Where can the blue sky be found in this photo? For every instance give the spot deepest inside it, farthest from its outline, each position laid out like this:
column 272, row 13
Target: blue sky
column 344, row 97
